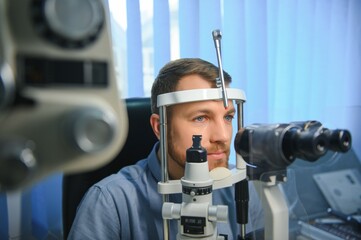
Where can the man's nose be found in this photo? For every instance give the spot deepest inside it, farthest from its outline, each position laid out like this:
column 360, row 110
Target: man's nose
column 219, row 131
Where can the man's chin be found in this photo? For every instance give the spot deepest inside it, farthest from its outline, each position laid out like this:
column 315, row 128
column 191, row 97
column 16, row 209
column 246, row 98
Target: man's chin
column 217, row 163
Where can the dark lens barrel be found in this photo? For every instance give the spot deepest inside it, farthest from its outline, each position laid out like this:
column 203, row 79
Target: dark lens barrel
column 312, row 145
column 339, row 140
column 241, row 143
column 307, row 145
column 280, row 144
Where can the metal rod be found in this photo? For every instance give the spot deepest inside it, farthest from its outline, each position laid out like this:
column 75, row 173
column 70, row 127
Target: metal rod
column 241, row 200
column 217, row 36
column 240, row 122
column 164, row 163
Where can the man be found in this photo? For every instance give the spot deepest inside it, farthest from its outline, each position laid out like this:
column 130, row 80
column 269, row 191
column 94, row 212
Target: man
column 127, row 205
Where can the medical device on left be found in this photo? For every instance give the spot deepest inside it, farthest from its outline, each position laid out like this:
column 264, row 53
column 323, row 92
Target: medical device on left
column 60, row 107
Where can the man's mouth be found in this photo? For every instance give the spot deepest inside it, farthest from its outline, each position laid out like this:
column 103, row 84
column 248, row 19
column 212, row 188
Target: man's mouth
column 216, row 155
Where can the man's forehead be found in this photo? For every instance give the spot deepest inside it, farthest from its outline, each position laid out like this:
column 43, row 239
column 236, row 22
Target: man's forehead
column 194, row 81
column 206, row 106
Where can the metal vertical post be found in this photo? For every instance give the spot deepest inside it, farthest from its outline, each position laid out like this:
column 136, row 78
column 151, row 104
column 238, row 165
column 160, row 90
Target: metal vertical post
column 164, row 163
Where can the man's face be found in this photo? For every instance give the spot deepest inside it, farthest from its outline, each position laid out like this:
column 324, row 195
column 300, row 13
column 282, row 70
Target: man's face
column 207, row 118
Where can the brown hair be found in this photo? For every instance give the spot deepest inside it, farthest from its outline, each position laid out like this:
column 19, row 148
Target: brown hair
column 172, row 72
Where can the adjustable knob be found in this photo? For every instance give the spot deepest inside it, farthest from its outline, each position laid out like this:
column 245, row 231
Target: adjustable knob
column 68, row 23
column 171, row 210
column 7, row 86
column 218, row 213
column 91, row 129
column 17, row 162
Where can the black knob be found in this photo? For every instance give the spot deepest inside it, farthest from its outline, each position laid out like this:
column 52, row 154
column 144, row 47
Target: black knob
column 17, row 162
column 7, row 86
column 196, row 153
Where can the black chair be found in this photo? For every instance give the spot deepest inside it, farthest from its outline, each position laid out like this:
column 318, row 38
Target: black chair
column 138, row 145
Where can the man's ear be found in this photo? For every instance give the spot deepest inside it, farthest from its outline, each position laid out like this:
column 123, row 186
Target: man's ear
column 155, row 124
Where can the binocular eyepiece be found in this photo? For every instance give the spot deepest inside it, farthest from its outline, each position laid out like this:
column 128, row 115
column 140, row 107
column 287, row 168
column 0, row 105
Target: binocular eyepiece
column 310, row 141
column 273, row 147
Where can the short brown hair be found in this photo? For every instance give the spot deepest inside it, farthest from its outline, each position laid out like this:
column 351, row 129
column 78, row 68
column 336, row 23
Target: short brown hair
column 172, row 72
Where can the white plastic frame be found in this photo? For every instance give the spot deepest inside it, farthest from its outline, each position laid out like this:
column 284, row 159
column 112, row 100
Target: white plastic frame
column 166, row 187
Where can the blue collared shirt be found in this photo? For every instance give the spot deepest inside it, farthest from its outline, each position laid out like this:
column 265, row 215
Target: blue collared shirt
column 127, row 205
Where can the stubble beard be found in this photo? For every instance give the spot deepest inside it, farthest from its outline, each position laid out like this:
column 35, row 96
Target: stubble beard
column 180, row 158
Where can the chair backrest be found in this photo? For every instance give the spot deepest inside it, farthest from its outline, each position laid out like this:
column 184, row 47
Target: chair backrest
column 138, row 145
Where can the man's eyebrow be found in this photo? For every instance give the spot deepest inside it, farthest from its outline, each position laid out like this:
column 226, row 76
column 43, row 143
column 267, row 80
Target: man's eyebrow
column 231, row 110
column 209, row 111
column 198, row 111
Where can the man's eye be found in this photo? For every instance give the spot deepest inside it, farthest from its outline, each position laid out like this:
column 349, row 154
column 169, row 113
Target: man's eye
column 229, row 118
column 199, row 119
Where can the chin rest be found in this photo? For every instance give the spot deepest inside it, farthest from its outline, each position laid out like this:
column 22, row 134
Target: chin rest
column 138, row 145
